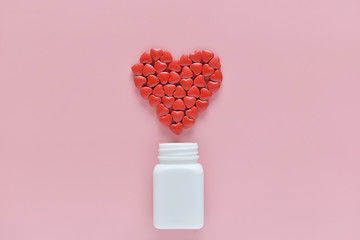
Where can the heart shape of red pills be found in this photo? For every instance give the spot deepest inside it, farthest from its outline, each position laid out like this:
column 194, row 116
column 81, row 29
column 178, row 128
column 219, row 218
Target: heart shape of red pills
column 179, row 89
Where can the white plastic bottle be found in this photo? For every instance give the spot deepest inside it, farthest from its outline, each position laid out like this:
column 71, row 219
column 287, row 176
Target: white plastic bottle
column 178, row 187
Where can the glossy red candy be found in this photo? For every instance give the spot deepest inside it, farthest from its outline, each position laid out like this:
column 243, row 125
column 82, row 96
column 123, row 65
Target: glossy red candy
column 175, row 66
column 196, row 68
column 166, row 120
column 206, row 55
column 205, row 94
column 168, row 101
column 145, row 92
column 148, row 69
column 156, row 53
column 215, row 63
column 194, row 92
column 154, row 100
column 145, row 58
column 160, row 66
column 174, row 77
column 195, row 56
column 178, row 105
column 166, row 57
column 163, row 77
column 186, row 83
column 177, row 115
column 207, row 70
column 137, row 68
column 179, row 89
column 199, row 81
column 185, row 60
column 189, row 101
column 186, row 73
column 217, row 76
column 159, row 91
column 213, row 86
column 139, row 81
column 179, row 92
column 161, row 110
column 192, row 112
column 176, row 128
column 188, row 122
column 152, row 81
column 202, row 105
column 169, row 89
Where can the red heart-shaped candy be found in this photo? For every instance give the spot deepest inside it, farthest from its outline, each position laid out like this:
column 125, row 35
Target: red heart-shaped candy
column 179, row 89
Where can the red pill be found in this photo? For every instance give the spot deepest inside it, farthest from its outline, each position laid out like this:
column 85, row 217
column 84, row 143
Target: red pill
column 185, row 60
column 213, row 86
column 174, row 77
column 193, row 92
column 160, row 66
column 179, row 105
column 166, row 57
column 175, row 66
column 179, row 92
column 195, row 56
column 177, row 116
column 145, row 58
column 186, row 73
column 152, row 81
column 161, row 110
column 156, row 53
column 202, row 105
column 188, row 122
column 207, row 70
column 166, row 120
column 199, row 81
column 163, row 77
column 215, row 63
column 139, row 81
column 154, row 101
column 217, row 76
column 205, row 94
column 148, row 69
column 186, row 83
column 192, row 112
column 145, row 92
column 159, row 91
column 206, row 55
column 189, row 101
column 196, row 68
column 169, row 89
column 176, row 128
column 137, row 68
column 168, row 101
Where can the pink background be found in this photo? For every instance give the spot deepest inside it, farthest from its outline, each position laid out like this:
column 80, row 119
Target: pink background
column 279, row 142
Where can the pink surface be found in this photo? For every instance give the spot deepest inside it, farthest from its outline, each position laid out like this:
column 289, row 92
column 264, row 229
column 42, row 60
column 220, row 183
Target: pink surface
column 279, row 142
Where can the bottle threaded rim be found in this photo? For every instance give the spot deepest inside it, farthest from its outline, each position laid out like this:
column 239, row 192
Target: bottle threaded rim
column 178, row 152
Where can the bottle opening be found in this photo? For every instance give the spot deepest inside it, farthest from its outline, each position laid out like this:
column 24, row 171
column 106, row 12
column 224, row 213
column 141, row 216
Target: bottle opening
column 178, row 152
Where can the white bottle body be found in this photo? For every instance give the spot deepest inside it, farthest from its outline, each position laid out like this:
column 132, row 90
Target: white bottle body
column 178, row 194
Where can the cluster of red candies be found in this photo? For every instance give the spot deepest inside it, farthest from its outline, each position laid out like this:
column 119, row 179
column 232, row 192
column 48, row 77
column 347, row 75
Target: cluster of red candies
column 179, row 89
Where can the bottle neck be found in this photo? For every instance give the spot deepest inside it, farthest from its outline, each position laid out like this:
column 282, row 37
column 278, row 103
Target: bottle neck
column 178, row 153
